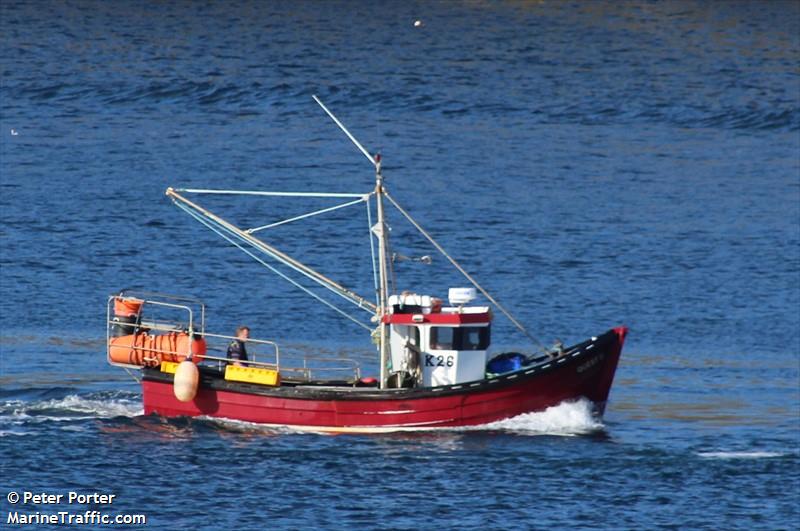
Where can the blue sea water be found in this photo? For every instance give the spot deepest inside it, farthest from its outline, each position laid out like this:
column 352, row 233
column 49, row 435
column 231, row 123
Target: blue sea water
column 591, row 163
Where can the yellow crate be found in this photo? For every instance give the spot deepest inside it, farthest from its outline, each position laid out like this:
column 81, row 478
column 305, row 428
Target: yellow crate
column 169, row 366
column 254, row 375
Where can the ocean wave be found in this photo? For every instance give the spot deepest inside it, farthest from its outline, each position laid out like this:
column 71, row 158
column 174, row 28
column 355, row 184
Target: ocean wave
column 740, row 455
column 14, row 433
column 256, row 98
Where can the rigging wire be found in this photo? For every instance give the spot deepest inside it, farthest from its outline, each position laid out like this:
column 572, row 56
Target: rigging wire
column 223, row 233
column 463, row 272
column 372, row 252
column 392, row 274
column 212, row 223
column 344, row 129
column 308, row 215
column 270, row 194
column 277, row 255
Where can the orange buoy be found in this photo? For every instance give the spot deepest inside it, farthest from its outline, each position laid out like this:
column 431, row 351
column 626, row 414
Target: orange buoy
column 127, row 307
column 150, row 350
column 127, row 316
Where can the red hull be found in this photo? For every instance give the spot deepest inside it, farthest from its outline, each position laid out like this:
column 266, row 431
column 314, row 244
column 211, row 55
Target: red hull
column 587, row 370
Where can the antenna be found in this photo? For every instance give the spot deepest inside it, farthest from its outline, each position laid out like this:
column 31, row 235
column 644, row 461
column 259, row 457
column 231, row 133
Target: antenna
column 350, row 136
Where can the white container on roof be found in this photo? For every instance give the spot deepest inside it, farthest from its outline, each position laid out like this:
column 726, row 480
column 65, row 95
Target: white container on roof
column 461, row 296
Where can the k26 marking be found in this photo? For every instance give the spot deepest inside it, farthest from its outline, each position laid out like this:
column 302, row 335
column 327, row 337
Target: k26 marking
column 439, row 361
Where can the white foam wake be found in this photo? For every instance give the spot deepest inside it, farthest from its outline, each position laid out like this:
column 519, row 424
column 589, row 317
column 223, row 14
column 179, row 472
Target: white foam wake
column 567, row 418
column 71, row 407
column 739, row 455
column 98, row 407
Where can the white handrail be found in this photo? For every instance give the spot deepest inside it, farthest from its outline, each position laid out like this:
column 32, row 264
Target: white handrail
column 154, row 324
column 252, row 340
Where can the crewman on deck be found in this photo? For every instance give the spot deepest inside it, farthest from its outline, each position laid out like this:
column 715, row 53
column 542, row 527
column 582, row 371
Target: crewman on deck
column 236, row 350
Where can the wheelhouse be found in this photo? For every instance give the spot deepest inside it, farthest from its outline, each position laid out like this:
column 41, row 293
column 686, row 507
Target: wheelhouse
column 431, row 344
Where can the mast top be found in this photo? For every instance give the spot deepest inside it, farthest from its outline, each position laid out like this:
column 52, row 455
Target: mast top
column 374, row 160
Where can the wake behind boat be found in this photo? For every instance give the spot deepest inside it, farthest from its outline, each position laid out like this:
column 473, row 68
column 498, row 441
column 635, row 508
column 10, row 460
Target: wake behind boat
column 435, row 366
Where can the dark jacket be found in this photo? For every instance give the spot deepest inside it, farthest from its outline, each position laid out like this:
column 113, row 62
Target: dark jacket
column 236, row 350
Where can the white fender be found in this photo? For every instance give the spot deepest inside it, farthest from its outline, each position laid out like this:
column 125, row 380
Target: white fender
column 186, row 381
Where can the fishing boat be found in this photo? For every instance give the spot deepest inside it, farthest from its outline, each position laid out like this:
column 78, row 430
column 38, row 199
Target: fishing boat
column 436, row 369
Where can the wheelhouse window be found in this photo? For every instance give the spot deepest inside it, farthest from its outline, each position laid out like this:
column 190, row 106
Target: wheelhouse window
column 442, row 338
column 461, row 338
column 474, row 338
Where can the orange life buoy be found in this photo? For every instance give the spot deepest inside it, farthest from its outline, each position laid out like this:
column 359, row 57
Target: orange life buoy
column 150, row 350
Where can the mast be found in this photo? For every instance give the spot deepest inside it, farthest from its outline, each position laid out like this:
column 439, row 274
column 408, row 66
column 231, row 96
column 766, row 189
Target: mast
column 382, row 234
column 383, row 253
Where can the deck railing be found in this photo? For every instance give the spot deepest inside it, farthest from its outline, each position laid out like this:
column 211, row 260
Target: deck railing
column 154, row 317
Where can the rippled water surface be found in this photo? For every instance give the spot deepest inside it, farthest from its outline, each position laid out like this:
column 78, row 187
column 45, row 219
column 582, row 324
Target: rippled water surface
column 591, row 164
